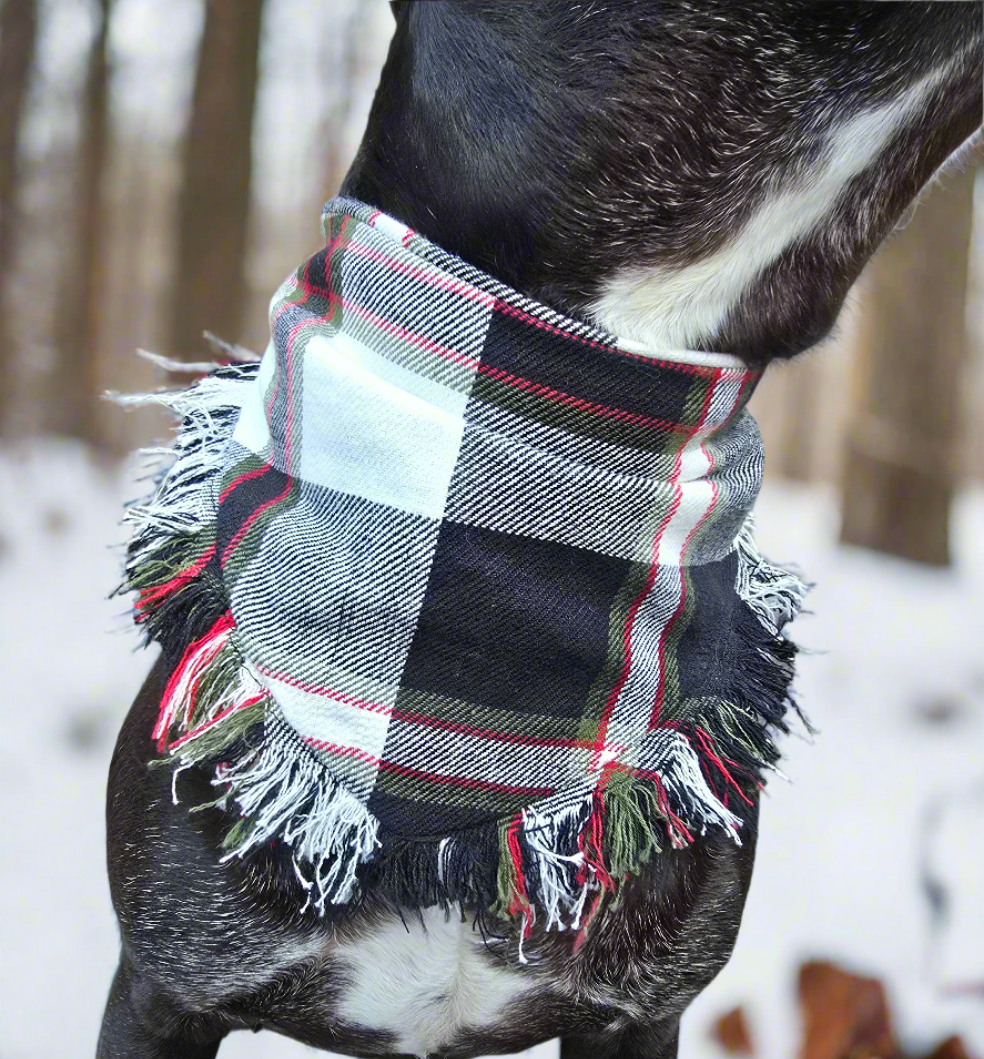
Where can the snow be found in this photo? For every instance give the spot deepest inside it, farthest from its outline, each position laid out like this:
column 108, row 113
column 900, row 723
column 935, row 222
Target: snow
column 838, row 867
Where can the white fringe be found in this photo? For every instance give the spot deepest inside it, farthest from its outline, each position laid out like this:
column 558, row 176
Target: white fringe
column 179, row 504
column 684, row 783
column 240, row 354
column 542, row 825
column 688, row 793
column 290, row 796
column 286, row 795
column 178, row 367
column 774, row 594
column 443, row 856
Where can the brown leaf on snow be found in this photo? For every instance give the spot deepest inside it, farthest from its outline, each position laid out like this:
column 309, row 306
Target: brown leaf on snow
column 844, row 1016
column 731, row 1032
column 951, row 1048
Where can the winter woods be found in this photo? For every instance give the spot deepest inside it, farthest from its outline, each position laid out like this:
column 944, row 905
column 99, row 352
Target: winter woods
column 161, row 171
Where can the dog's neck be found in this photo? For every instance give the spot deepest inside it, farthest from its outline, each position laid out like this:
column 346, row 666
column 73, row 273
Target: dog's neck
column 683, row 181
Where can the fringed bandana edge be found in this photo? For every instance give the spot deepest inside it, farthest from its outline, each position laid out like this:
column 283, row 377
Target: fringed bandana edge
column 459, row 597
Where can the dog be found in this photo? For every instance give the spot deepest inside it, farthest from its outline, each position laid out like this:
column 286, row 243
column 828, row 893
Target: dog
column 687, row 174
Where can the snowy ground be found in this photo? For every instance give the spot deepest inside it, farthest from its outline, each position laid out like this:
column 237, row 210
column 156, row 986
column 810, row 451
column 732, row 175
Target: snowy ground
column 837, row 873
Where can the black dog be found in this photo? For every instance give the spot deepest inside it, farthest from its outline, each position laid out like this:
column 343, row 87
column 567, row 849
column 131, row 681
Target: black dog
column 704, row 175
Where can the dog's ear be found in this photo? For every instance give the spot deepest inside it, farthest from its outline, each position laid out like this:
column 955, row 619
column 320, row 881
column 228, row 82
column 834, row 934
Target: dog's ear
column 397, row 6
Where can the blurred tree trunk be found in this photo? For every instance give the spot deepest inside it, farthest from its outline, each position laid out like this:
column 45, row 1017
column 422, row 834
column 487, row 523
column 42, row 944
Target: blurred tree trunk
column 18, row 40
column 796, row 456
column 72, row 391
column 213, row 208
column 902, row 448
column 347, row 62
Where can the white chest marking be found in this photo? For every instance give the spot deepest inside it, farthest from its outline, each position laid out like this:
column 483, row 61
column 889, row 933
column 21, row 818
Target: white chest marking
column 678, row 308
column 424, row 983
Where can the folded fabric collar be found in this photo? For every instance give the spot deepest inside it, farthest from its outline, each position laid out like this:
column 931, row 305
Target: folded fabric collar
column 460, row 595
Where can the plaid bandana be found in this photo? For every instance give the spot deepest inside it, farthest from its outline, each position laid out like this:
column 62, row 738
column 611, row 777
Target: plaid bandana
column 473, row 606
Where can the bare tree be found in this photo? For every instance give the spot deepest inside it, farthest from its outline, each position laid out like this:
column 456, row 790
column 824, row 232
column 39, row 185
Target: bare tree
column 73, row 389
column 213, row 208
column 18, row 40
column 903, row 443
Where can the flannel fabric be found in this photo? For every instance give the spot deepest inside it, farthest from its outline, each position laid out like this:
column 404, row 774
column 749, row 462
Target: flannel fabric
column 462, row 592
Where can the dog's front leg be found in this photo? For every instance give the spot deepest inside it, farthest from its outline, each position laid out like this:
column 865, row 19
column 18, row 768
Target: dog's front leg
column 637, row 1041
column 136, row 1027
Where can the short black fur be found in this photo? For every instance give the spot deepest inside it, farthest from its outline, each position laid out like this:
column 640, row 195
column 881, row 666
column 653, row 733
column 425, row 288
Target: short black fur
column 553, row 144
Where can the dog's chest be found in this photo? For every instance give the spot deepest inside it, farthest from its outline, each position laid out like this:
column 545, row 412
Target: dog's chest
column 425, row 981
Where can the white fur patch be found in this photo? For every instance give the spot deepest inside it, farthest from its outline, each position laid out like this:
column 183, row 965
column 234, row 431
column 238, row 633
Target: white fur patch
column 667, row 308
column 424, row 983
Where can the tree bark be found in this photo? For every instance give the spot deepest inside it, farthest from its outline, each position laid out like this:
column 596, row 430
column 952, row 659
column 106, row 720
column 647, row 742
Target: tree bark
column 73, row 402
column 18, row 41
column 902, row 449
column 213, row 209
